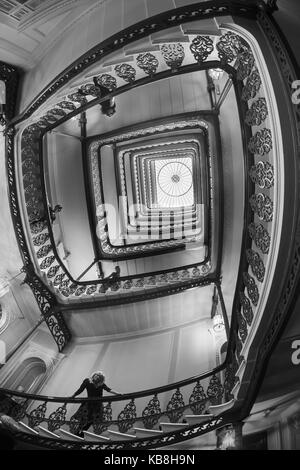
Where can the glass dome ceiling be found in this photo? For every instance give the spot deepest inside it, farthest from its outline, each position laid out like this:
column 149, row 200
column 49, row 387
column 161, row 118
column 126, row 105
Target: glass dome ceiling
column 174, row 182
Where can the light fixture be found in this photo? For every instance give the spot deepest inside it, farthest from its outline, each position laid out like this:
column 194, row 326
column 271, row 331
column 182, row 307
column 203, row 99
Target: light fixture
column 215, row 74
column 218, row 322
column 228, row 440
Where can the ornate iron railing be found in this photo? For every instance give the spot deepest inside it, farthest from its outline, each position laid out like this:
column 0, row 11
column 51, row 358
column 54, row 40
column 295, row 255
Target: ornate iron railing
column 157, row 127
column 44, row 245
column 261, row 167
column 201, row 48
column 147, row 408
column 140, row 30
column 46, row 300
column 260, row 171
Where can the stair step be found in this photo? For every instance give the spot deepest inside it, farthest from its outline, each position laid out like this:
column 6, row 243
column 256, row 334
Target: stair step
column 46, row 433
column 202, row 27
column 162, row 227
column 90, row 436
column 218, row 409
column 168, row 427
column 99, row 70
column 120, row 59
column 27, row 428
column 68, row 436
column 173, row 34
column 142, row 45
column 194, row 419
column 142, row 432
column 120, row 436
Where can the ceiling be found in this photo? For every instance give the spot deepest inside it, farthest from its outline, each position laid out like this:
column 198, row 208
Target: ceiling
column 28, row 29
column 180, row 94
column 162, row 99
column 28, row 26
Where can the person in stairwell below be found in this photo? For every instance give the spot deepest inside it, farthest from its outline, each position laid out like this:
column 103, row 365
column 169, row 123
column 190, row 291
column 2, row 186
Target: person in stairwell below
column 89, row 411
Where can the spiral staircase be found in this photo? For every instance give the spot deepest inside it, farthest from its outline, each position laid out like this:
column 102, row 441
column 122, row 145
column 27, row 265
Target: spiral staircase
column 154, row 199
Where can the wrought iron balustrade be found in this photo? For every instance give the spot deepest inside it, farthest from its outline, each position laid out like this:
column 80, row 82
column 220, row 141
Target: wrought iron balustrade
column 44, row 245
column 235, row 57
column 144, row 409
column 260, row 192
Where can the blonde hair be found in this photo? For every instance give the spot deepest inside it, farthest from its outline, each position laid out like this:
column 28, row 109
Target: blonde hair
column 99, row 374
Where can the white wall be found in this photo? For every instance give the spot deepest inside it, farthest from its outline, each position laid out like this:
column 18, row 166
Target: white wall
column 145, row 316
column 103, row 19
column 19, row 301
column 137, row 363
column 65, row 175
column 233, row 168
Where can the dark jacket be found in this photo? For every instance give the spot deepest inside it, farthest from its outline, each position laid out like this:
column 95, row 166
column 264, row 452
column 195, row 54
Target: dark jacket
column 92, row 391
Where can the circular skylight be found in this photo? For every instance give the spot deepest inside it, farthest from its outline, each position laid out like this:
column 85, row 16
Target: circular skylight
column 175, row 179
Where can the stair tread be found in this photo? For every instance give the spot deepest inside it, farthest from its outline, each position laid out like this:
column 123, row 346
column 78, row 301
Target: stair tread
column 173, row 424
column 91, row 436
column 206, row 26
column 117, row 433
column 222, row 407
column 173, row 34
column 27, row 428
column 69, row 435
column 142, row 45
column 146, row 431
column 46, row 432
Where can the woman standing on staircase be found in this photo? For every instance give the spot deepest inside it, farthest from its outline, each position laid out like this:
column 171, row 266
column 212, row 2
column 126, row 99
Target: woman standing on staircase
column 91, row 412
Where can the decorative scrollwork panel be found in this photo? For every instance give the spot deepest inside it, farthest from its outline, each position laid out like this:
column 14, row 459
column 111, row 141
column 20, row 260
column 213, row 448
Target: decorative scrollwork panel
column 230, row 378
column 175, row 407
column 262, row 205
column 58, row 418
column 260, row 236
column 246, row 308
column 107, row 81
column 252, row 86
column 59, row 330
column 37, row 415
column 256, row 263
column 244, row 64
column 147, row 62
column 198, row 399
column 215, row 390
column 261, row 142
column 258, row 113
column 127, row 417
column 242, row 325
column 201, row 47
column 228, row 47
column 152, row 413
column 251, row 287
column 262, row 174
column 102, row 418
column 173, row 54
column 126, row 71
column 18, row 412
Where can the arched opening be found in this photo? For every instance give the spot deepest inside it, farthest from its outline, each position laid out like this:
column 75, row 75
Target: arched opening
column 27, row 376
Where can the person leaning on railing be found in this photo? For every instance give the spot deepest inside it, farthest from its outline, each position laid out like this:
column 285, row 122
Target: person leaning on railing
column 94, row 386
column 113, row 279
